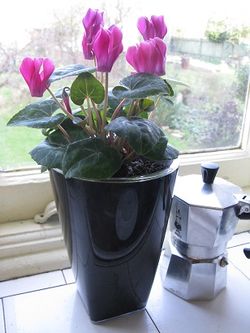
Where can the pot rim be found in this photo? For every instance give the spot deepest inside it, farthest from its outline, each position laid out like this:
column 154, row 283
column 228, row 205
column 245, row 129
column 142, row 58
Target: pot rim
column 158, row 174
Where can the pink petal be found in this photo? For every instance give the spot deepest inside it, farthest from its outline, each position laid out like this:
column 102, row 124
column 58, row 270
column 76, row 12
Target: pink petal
column 100, row 47
column 159, row 26
column 92, row 17
column 131, row 56
column 115, row 43
column 145, row 27
column 27, row 68
column 144, row 58
column 160, row 48
column 107, row 47
column 48, row 68
column 160, row 45
column 87, row 48
column 148, row 56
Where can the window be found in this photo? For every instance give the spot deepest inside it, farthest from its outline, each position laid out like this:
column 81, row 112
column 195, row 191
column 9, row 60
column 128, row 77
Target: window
column 210, row 54
column 211, row 116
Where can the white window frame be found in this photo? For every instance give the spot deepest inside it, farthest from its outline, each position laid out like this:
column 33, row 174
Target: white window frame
column 27, row 248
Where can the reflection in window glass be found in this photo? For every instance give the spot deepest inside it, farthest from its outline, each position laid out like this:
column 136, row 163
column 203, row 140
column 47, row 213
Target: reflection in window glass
column 208, row 49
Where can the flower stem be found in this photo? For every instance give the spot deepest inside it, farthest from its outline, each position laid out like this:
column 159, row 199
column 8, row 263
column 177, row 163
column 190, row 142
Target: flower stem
column 95, row 67
column 64, row 132
column 83, row 110
column 131, row 154
column 98, row 116
column 157, row 101
column 105, row 108
column 131, row 109
column 118, row 109
column 90, row 116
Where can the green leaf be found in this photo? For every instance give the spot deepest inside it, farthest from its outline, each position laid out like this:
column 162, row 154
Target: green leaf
column 147, row 105
column 142, row 85
column 176, row 82
column 113, row 101
column 91, row 158
column 48, row 155
column 70, row 70
column 145, row 137
column 171, row 153
column 86, row 85
column 170, row 89
column 75, row 133
column 43, row 169
column 167, row 100
column 38, row 115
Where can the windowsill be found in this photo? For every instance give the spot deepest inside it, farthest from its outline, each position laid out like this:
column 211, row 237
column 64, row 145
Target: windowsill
column 29, row 190
column 27, row 248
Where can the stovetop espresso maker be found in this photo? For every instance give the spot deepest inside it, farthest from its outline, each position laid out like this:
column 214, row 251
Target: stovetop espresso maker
column 205, row 211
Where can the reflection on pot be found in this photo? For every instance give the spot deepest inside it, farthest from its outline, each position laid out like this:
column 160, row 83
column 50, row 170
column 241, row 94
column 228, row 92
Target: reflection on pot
column 116, row 229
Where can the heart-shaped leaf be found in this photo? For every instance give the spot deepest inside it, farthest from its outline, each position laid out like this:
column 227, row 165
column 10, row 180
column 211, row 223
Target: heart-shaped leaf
column 70, row 70
column 145, row 137
column 86, row 85
column 48, row 155
column 142, row 85
column 38, row 115
column 91, row 158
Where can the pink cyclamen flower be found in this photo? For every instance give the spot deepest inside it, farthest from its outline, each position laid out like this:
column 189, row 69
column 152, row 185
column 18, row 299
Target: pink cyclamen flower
column 155, row 27
column 107, row 48
column 36, row 72
column 92, row 22
column 148, row 56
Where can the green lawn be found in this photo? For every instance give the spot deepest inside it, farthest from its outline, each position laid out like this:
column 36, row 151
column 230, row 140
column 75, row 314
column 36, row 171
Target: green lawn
column 15, row 142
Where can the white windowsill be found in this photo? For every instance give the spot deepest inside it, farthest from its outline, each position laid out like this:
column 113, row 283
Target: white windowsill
column 27, row 248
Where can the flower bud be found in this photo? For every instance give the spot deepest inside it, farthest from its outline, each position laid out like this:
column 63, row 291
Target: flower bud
column 65, row 97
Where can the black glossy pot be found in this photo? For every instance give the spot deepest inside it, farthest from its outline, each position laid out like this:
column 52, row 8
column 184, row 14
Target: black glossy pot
column 114, row 231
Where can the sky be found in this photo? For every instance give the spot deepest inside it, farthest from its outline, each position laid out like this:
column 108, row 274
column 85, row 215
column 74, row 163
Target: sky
column 19, row 16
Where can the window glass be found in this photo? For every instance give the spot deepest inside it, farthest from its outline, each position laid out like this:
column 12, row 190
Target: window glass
column 208, row 49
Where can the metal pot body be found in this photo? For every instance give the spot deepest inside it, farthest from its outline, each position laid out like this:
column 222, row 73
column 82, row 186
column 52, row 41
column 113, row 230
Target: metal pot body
column 114, row 231
column 201, row 233
column 204, row 216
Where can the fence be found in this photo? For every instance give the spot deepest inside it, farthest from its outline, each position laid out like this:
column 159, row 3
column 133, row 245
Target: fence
column 204, row 49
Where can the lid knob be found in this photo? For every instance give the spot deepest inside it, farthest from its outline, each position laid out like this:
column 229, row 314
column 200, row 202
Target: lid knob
column 209, row 171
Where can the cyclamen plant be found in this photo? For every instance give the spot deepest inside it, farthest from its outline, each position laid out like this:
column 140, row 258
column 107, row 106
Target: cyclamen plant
column 92, row 131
